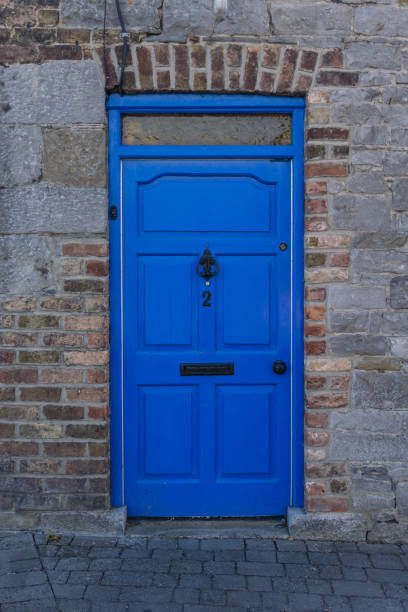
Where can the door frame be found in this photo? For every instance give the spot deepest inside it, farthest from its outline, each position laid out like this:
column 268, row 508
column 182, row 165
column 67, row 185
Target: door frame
column 206, row 103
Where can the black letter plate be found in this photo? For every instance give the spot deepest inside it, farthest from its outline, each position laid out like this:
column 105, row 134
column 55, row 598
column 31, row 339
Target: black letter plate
column 206, row 369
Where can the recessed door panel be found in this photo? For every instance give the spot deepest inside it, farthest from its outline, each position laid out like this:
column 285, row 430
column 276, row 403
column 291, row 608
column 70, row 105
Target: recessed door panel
column 206, row 313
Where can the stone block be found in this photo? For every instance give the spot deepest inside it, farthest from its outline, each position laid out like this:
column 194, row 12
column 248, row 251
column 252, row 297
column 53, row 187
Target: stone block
column 378, row 240
column 394, row 323
column 356, row 297
column 395, row 163
column 349, row 321
column 367, row 182
column 392, row 532
column 26, row 265
column 244, row 18
column 395, row 95
column 399, row 137
column 75, row 157
column 356, row 114
column 375, row 390
column 399, row 347
column 392, row 262
column 372, row 55
column 401, row 495
column 383, row 364
column 181, row 19
column 367, row 446
column 370, row 135
column 48, row 208
column 395, row 115
column 110, row 522
column 307, row 19
column 361, row 213
column 53, row 93
column 339, row 526
column 367, row 420
column 400, row 194
column 20, row 155
column 372, row 490
column 358, row 344
column 399, row 292
column 400, row 222
column 375, row 20
column 139, row 15
column 367, row 157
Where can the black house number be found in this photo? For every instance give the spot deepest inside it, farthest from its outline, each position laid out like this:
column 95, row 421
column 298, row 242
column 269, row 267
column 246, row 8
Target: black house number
column 207, row 298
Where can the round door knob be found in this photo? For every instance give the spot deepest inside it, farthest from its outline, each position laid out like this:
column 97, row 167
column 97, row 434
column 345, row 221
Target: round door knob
column 279, row 367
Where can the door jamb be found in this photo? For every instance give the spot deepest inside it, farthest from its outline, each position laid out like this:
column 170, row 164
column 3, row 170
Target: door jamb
column 205, row 103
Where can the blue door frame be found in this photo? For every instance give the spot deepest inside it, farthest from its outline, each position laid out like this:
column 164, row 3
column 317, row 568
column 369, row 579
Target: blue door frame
column 206, row 103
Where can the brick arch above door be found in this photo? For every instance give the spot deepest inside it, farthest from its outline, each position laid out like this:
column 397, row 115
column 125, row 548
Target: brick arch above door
column 200, row 66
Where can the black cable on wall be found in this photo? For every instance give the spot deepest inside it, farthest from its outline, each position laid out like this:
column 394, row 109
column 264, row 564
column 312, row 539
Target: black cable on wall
column 125, row 37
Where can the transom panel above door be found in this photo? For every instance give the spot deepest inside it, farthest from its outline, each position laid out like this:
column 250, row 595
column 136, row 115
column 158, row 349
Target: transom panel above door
column 206, row 304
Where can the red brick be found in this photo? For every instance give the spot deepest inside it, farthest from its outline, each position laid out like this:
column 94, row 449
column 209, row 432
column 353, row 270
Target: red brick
column 316, row 438
column 16, row 339
column 87, row 323
column 7, row 321
column 87, row 358
column 19, row 449
column 60, row 52
column 337, row 78
column 110, row 77
column 98, row 449
column 315, row 206
column 333, row 59
column 61, row 375
column 99, row 413
column 304, row 82
column 315, row 347
column 308, row 60
column 98, row 340
column 162, row 55
column 88, row 394
column 217, row 68
column 315, row 330
column 64, row 449
column 327, row 133
column 62, row 413
column 73, row 36
column 315, row 295
column 326, row 504
column 98, row 376
column 234, row 79
column 287, row 70
column 118, row 50
column 327, row 400
column 40, row 466
column 86, row 430
column 97, row 268
column 63, row 304
column 71, row 267
column 144, row 61
column 270, row 57
column 182, row 67
column 315, row 151
column 316, row 419
column 234, row 55
column 326, row 470
column 326, row 169
column 38, row 357
column 315, row 313
column 339, row 486
column 315, row 224
column 17, row 54
column 63, row 340
column 6, row 430
column 315, row 382
column 64, row 485
column 11, row 376
column 251, row 69
column 315, row 488
column 84, row 286
column 267, row 82
column 7, row 356
column 87, row 466
column 40, row 394
column 315, row 188
column 340, row 260
column 84, row 250
column 7, row 394
column 99, row 485
column 163, row 79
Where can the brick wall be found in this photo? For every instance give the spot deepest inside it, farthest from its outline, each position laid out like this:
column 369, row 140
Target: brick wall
column 350, row 60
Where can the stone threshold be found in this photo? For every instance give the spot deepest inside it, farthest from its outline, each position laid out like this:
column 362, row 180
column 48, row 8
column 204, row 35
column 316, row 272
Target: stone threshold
column 270, row 528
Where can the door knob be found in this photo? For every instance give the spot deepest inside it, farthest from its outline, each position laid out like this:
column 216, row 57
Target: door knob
column 279, row 367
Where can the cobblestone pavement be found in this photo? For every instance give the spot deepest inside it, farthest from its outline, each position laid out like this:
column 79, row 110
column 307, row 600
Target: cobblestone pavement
column 175, row 574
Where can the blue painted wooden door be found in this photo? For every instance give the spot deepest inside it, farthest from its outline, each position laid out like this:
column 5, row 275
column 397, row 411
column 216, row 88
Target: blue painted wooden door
column 212, row 445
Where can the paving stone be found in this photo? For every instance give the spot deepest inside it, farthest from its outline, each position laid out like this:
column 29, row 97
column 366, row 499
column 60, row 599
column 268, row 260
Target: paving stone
column 67, row 605
column 188, row 596
column 68, row 591
column 258, row 583
column 22, row 579
column 319, row 587
column 320, row 558
column 305, row 602
column 302, row 571
column 289, row 585
column 354, row 559
column 213, row 597
column 350, row 587
column 260, row 569
column 234, row 582
column 88, row 577
column 388, row 575
column 274, row 601
column 386, row 561
column 17, row 594
column 362, row 604
column 337, row 603
column 354, row 573
column 124, row 578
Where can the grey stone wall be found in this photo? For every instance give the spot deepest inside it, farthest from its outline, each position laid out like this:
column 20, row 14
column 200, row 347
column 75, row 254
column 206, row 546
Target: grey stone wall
column 350, row 59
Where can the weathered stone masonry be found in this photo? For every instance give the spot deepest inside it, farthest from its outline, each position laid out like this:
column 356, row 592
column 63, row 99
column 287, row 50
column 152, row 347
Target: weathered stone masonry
column 350, row 60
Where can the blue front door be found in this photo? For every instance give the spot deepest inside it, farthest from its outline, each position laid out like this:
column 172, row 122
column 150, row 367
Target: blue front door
column 206, row 314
